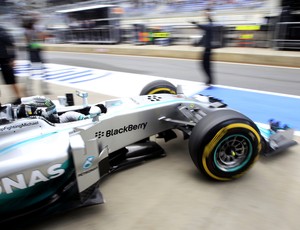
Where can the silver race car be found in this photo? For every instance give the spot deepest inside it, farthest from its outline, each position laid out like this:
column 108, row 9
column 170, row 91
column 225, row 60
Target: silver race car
column 53, row 157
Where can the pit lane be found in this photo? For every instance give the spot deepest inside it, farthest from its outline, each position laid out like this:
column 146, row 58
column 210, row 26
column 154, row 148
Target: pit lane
column 169, row 193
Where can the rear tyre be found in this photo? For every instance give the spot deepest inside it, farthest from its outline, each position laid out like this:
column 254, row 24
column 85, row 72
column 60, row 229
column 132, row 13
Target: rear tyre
column 224, row 145
column 159, row 86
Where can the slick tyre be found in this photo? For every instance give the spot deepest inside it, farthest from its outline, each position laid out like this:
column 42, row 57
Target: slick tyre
column 224, row 145
column 158, row 86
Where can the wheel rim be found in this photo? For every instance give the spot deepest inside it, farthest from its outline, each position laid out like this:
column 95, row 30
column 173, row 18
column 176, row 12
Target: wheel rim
column 233, row 153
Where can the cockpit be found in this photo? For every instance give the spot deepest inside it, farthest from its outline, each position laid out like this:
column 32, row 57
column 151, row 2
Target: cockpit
column 40, row 106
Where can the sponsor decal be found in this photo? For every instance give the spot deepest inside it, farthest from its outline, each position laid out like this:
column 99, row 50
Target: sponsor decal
column 8, row 185
column 121, row 130
column 88, row 162
column 18, row 126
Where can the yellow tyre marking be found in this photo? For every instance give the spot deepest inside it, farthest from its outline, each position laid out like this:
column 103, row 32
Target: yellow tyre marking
column 220, row 134
column 162, row 89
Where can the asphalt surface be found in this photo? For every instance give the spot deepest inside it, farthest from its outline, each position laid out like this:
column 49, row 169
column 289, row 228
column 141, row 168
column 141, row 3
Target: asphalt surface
column 258, row 77
column 169, row 193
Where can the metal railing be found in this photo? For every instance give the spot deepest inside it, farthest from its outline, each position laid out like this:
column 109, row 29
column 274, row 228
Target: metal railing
column 105, row 35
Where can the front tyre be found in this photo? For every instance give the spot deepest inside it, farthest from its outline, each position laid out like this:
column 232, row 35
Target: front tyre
column 224, row 145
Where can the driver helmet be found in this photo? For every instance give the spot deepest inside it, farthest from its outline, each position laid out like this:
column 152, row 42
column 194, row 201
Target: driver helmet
column 38, row 106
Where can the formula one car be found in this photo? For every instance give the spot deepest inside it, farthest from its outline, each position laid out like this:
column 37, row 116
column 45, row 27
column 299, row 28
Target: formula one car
column 53, row 157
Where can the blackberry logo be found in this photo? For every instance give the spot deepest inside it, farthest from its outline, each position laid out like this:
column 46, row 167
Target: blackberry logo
column 124, row 129
column 99, row 134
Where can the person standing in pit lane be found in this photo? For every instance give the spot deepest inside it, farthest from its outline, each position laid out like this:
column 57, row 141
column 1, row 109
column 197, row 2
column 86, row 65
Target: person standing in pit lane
column 34, row 38
column 206, row 42
column 7, row 57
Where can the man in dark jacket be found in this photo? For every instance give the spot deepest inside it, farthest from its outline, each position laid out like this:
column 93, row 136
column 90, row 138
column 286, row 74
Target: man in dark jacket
column 207, row 44
column 7, row 56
